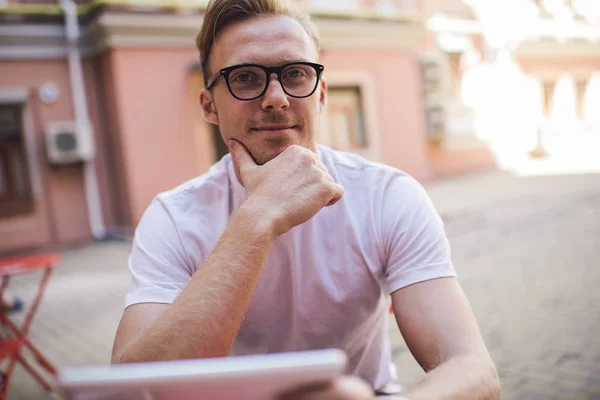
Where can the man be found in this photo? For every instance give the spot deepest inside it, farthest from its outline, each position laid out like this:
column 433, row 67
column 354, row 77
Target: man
column 289, row 246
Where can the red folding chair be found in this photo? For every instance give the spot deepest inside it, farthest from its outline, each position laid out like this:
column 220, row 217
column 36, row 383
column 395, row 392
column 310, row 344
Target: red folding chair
column 11, row 347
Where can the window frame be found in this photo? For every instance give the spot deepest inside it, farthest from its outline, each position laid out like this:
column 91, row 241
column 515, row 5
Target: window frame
column 339, row 78
column 13, row 203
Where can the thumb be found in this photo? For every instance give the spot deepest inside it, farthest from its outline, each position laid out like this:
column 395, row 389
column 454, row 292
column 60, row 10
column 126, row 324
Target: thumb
column 242, row 160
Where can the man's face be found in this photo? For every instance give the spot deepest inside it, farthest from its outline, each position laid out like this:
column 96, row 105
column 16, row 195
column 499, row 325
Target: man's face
column 268, row 124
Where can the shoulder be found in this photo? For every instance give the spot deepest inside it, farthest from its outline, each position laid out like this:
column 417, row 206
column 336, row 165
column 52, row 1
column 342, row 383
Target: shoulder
column 204, row 190
column 354, row 170
column 179, row 226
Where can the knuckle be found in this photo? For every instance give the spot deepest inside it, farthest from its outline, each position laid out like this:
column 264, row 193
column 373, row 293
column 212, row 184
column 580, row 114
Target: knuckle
column 294, row 149
column 317, row 175
column 325, row 177
column 307, row 159
column 327, row 189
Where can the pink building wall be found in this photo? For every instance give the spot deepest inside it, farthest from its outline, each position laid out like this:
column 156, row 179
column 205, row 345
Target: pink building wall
column 60, row 213
column 399, row 103
column 150, row 136
column 155, row 128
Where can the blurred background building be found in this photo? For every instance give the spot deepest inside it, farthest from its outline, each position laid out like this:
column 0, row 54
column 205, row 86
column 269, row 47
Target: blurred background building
column 99, row 110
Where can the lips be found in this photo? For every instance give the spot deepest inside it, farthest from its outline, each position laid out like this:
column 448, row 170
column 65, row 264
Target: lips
column 273, row 128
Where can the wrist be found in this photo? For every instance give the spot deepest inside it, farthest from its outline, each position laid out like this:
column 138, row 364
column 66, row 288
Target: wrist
column 257, row 221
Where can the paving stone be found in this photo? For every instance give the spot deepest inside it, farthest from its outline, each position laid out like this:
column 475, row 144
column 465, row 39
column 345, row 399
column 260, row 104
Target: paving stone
column 525, row 249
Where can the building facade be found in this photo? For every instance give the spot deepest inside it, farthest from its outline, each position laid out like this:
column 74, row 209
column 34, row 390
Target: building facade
column 525, row 75
column 99, row 109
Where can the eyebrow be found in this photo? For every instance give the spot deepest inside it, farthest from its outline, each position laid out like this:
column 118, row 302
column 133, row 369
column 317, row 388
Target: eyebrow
column 283, row 60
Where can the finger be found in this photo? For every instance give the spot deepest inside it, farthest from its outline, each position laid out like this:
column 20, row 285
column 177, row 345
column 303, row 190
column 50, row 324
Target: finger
column 338, row 193
column 322, row 167
column 325, row 172
column 242, row 160
column 326, row 176
column 344, row 388
column 306, row 392
column 350, row 387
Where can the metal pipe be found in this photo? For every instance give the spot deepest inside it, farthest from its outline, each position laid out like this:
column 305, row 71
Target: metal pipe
column 90, row 175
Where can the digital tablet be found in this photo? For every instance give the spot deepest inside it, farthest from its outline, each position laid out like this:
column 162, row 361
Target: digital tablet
column 255, row 377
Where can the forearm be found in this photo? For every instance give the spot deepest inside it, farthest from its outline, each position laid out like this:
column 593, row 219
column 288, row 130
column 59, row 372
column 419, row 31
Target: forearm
column 459, row 378
column 205, row 318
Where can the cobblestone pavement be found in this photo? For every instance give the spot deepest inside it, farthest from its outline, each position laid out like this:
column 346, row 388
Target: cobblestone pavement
column 526, row 251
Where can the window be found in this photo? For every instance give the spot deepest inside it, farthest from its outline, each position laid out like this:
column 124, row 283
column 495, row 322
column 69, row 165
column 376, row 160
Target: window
column 15, row 185
column 346, row 120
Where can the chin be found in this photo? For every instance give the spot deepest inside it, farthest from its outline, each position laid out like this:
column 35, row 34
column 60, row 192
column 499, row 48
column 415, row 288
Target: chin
column 263, row 156
column 266, row 151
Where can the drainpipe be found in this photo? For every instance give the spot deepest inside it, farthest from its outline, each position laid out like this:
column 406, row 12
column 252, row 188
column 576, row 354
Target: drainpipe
column 82, row 117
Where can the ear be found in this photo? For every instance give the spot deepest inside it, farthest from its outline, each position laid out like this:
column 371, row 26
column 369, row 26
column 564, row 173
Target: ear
column 209, row 111
column 323, row 95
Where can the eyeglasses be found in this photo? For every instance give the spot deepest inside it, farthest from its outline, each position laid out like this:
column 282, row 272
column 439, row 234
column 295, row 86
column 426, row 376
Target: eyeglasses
column 250, row 81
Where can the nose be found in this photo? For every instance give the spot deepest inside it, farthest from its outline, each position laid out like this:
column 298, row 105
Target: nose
column 274, row 98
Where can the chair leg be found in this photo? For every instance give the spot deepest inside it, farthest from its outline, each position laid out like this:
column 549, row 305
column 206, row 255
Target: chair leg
column 34, row 373
column 36, row 301
column 3, row 387
column 8, row 374
column 43, row 361
column 21, row 333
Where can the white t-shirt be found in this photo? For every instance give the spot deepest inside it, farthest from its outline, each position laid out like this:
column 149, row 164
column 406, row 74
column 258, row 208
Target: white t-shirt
column 326, row 283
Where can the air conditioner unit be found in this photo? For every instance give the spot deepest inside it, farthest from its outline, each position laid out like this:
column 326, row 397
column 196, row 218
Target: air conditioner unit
column 436, row 116
column 435, row 72
column 69, row 142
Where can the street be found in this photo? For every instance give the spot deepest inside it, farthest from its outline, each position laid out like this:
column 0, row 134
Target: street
column 526, row 250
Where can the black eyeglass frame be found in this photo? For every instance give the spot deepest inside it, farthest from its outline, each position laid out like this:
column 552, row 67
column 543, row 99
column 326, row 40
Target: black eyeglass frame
column 225, row 72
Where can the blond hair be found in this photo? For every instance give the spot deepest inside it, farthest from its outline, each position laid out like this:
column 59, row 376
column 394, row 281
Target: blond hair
column 221, row 13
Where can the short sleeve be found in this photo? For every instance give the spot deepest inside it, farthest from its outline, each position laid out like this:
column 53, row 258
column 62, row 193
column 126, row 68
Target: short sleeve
column 414, row 241
column 158, row 266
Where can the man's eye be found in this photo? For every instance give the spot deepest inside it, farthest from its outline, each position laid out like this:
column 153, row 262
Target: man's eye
column 295, row 73
column 243, row 77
